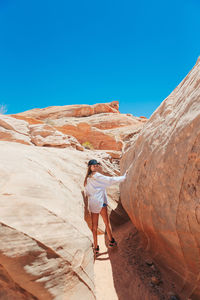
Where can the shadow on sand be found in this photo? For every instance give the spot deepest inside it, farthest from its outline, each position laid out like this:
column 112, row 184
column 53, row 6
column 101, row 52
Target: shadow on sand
column 131, row 275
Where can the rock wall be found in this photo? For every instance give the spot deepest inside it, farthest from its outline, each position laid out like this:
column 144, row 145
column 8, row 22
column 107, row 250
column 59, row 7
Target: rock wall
column 100, row 126
column 45, row 246
column 56, row 112
column 162, row 192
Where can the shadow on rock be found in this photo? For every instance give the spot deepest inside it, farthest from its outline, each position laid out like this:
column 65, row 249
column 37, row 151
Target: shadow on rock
column 135, row 275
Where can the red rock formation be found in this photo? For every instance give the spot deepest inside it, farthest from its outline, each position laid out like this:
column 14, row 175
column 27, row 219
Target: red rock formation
column 163, row 198
column 55, row 112
column 103, row 131
column 83, row 132
column 17, row 130
column 100, row 125
column 47, row 135
column 106, row 131
column 31, row 121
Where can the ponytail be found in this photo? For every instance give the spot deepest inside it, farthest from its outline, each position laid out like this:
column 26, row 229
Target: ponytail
column 89, row 171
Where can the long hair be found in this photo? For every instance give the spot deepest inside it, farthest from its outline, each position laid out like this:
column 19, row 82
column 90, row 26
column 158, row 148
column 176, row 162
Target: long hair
column 89, row 172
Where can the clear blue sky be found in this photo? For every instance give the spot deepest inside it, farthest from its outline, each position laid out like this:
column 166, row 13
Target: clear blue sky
column 85, row 52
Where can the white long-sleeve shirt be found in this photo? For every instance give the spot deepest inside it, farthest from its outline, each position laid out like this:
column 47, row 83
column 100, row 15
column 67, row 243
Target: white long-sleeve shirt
column 96, row 190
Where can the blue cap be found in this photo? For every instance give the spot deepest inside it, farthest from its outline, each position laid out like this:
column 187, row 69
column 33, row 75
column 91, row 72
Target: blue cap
column 93, row 162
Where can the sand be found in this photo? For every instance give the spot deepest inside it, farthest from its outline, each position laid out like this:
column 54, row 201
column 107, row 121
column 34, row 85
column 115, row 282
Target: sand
column 126, row 272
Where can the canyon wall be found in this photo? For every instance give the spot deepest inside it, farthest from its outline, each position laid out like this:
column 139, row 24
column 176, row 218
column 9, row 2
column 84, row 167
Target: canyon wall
column 162, row 192
column 46, row 244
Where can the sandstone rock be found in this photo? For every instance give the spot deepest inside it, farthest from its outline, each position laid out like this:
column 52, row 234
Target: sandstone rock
column 103, row 131
column 10, row 123
column 83, row 132
column 103, row 121
column 45, row 243
column 10, row 290
column 46, row 246
column 106, row 121
column 14, row 130
column 100, row 125
column 55, row 112
column 31, row 121
column 46, row 135
column 114, row 154
column 163, row 184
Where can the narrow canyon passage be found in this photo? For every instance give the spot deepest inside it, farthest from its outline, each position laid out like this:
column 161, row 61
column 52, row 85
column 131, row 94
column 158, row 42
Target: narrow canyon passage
column 126, row 272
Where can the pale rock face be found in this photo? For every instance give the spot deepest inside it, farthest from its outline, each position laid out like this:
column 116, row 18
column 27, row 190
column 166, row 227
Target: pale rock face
column 47, row 135
column 55, row 112
column 20, row 126
column 101, row 121
column 14, row 130
column 163, row 198
column 39, row 134
column 45, row 242
column 46, row 245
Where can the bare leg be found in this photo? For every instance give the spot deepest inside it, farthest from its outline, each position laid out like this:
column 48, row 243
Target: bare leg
column 104, row 214
column 95, row 219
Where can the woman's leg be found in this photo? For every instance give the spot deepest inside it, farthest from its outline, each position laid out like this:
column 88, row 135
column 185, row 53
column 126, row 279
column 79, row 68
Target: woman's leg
column 95, row 219
column 104, row 214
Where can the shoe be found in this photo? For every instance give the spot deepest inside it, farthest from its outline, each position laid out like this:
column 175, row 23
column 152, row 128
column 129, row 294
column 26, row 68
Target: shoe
column 96, row 250
column 112, row 243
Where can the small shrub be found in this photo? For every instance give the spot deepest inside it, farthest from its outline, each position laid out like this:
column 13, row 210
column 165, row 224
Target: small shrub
column 88, row 145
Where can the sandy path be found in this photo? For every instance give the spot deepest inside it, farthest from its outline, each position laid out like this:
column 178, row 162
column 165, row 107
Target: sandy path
column 103, row 273
column 123, row 274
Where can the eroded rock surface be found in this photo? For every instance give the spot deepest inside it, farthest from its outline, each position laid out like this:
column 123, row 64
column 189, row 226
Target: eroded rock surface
column 104, row 131
column 56, row 112
column 47, row 135
column 101, row 126
column 162, row 192
column 14, row 130
column 31, row 132
column 45, row 242
column 46, row 245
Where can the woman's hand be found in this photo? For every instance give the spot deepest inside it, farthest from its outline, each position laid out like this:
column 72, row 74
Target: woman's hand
column 127, row 171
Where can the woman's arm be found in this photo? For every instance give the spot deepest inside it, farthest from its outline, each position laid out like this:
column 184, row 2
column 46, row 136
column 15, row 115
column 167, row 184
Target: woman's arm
column 107, row 180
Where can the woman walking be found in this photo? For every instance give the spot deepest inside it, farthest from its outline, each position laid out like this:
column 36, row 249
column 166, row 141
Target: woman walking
column 95, row 185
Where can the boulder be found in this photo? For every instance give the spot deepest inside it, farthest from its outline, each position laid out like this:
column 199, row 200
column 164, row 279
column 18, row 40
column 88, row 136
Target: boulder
column 47, row 135
column 46, row 245
column 14, row 130
column 162, row 191
column 45, row 242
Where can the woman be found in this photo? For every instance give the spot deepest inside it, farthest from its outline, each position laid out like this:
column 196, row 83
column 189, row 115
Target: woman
column 95, row 185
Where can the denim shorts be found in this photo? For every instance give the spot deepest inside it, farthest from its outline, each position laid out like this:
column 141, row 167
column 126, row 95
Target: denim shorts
column 105, row 204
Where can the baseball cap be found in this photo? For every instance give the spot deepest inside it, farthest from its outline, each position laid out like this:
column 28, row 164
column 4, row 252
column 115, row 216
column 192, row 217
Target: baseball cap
column 93, row 162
